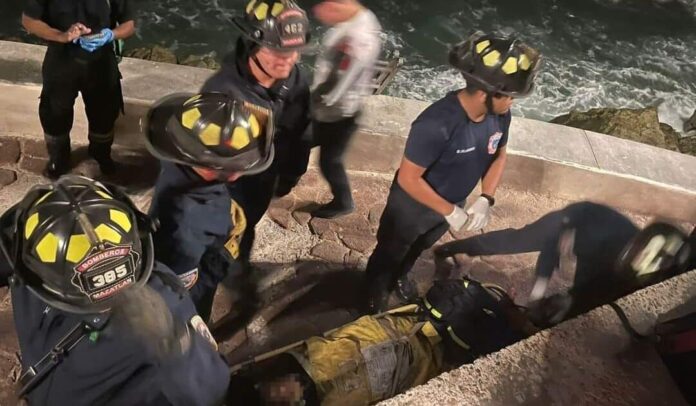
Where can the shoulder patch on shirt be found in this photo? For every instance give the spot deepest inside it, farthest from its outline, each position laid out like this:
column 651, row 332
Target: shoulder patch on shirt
column 189, row 278
column 201, row 328
column 493, row 142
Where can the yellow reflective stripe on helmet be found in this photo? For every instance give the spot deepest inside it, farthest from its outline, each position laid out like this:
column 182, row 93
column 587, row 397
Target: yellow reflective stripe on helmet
column 47, row 248
column 254, row 125
column 433, row 310
column 189, row 117
column 36, row 203
column 510, row 66
column 250, row 6
column 30, row 225
column 192, row 99
column 78, row 246
column 481, row 46
column 525, row 63
column 457, row 339
column 211, row 135
column 120, row 218
column 104, row 194
column 240, row 137
column 261, row 11
column 277, row 9
column 106, row 233
column 491, row 58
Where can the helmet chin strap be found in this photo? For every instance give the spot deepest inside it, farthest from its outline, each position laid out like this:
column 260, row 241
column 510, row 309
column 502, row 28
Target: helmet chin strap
column 489, row 103
column 260, row 66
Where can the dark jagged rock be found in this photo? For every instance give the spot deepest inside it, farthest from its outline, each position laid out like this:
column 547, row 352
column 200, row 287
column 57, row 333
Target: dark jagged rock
column 7, row 176
column 156, row 54
column 687, row 145
column 9, row 150
column 690, row 124
column 641, row 125
column 672, row 137
column 201, row 61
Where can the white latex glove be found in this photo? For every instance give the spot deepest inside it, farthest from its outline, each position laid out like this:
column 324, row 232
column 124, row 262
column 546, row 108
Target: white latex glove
column 479, row 214
column 457, row 218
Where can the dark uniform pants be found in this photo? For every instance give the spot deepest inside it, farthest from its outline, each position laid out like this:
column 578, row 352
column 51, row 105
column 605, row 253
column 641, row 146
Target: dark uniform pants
column 97, row 79
column 406, row 229
column 333, row 139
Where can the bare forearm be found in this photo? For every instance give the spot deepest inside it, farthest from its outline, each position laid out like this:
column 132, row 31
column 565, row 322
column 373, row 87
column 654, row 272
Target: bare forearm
column 43, row 30
column 491, row 179
column 421, row 191
column 124, row 30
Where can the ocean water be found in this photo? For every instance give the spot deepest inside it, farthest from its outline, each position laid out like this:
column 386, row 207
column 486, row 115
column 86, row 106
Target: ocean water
column 597, row 53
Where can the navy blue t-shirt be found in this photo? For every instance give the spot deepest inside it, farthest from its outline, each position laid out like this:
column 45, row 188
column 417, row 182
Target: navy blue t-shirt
column 455, row 151
column 193, row 216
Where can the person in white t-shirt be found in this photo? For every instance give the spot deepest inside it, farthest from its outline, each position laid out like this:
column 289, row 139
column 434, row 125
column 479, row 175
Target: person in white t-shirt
column 343, row 73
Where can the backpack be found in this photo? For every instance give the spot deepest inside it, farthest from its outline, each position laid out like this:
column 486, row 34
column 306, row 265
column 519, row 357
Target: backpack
column 473, row 319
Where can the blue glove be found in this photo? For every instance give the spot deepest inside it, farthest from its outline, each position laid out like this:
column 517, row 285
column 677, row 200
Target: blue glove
column 91, row 43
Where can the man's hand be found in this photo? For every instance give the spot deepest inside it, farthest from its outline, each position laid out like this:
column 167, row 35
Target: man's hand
column 74, row 32
column 457, row 218
column 479, row 214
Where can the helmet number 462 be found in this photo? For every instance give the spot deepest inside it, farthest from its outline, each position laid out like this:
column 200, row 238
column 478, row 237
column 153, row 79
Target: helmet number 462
column 293, row 28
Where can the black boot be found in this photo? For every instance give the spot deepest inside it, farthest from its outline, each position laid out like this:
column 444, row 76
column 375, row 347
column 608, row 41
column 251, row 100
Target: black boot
column 100, row 150
column 58, row 148
column 334, row 208
column 406, row 290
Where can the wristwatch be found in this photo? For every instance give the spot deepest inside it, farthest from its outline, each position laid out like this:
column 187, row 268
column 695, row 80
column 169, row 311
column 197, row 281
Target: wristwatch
column 491, row 199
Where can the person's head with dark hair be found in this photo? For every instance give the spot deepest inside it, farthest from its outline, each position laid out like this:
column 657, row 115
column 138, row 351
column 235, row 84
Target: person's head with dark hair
column 278, row 381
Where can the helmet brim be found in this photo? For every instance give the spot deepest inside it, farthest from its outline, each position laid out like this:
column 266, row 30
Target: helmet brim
column 164, row 137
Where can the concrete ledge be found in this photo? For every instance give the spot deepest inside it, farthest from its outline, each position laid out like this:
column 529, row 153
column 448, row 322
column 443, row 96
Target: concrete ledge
column 544, row 157
column 587, row 360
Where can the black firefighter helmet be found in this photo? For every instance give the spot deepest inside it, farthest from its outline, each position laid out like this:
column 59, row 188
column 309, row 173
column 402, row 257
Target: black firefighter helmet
column 277, row 24
column 497, row 65
column 211, row 130
column 77, row 244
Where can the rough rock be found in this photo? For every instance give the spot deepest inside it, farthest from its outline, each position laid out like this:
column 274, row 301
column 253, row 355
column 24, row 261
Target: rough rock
column 690, row 124
column 375, row 214
column 359, row 243
column 33, row 164
column 9, row 151
column 356, row 260
column 641, row 125
column 319, row 226
column 330, row 251
column 201, row 61
column 301, row 217
column 281, row 217
column 35, row 148
column 156, row 54
column 672, row 136
column 7, row 176
column 687, row 145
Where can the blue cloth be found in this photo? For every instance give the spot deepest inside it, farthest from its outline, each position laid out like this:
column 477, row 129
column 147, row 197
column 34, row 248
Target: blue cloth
column 115, row 368
column 455, row 151
column 96, row 42
column 194, row 219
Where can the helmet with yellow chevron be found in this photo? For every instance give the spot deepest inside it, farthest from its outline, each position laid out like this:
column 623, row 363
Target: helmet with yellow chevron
column 281, row 25
column 77, row 244
column 497, row 65
column 211, row 131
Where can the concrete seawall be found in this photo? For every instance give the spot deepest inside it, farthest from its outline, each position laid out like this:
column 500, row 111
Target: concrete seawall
column 544, row 157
